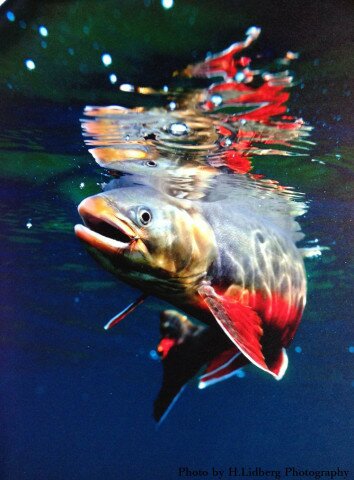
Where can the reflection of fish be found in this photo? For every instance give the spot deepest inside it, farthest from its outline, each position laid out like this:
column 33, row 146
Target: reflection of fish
column 185, row 349
column 224, row 64
column 145, row 161
column 226, row 127
column 230, row 259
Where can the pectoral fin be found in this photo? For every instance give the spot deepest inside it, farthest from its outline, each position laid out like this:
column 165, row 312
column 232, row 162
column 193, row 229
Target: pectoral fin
column 243, row 326
column 121, row 315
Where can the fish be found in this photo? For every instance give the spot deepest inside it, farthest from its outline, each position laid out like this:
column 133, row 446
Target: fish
column 185, row 219
column 228, row 259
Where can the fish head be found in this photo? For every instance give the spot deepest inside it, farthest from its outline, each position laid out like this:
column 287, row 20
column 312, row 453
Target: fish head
column 134, row 159
column 143, row 236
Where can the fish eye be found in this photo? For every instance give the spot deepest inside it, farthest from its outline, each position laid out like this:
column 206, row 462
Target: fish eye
column 151, row 163
column 144, row 216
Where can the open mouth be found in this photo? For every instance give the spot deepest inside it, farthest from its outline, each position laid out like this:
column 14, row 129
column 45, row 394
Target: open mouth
column 104, row 229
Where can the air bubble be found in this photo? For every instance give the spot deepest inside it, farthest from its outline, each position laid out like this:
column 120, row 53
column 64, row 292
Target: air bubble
column 239, row 77
column 106, row 59
column 154, row 355
column 167, row 4
column 43, row 31
column 30, row 64
column 113, row 78
column 10, row 16
column 216, row 99
column 126, row 87
column 178, row 129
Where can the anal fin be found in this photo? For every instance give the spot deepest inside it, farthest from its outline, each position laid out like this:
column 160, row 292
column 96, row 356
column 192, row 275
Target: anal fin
column 222, row 367
column 279, row 365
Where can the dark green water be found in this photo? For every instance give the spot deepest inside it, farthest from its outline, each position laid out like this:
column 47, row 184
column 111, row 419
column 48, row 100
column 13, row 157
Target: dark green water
column 76, row 401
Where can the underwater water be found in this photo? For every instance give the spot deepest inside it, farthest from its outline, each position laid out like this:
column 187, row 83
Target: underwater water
column 76, row 400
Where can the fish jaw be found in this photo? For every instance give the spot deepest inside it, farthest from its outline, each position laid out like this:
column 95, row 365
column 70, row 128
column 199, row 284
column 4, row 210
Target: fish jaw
column 98, row 241
column 104, row 229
